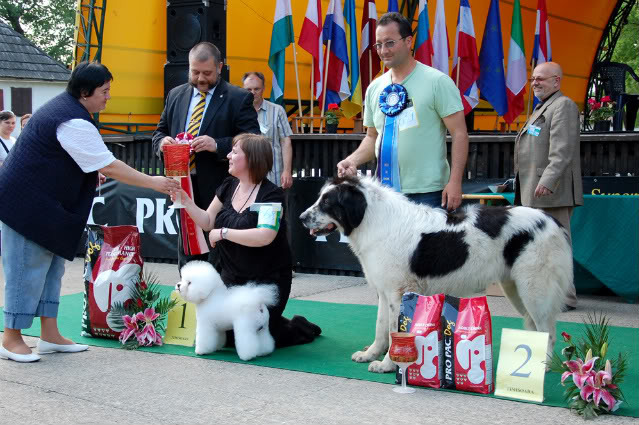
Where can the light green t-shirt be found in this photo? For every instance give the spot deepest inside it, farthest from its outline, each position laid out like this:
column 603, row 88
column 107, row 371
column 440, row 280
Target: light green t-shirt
column 421, row 148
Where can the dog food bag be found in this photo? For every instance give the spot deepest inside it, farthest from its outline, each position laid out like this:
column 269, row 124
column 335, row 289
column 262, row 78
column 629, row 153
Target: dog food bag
column 420, row 315
column 467, row 339
column 112, row 267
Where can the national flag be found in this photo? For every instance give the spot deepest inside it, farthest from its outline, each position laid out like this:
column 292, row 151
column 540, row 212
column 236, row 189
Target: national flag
column 541, row 48
column 441, row 47
column 492, row 83
column 516, row 73
column 282, row 36
column 337, row 76
column 311, row 41
column 423, row 44
column 353, row 105
column 392, row 6
column 369, row 62
column 466, row 54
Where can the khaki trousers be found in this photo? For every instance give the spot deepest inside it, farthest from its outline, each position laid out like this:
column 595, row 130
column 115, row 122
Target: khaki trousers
column 562, row 215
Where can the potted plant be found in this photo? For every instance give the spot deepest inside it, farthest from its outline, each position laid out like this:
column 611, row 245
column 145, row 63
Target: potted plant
column 601, row 112
column 332, row 117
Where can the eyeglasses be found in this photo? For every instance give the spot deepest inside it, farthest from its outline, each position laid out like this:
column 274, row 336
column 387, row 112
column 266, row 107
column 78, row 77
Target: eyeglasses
column 388, row 44
column 541, row 79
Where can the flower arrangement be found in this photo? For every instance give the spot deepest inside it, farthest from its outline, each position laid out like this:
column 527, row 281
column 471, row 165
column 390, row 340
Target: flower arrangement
column 332, row 114
column 594, row 387
column 141, row 319
column 601, row 110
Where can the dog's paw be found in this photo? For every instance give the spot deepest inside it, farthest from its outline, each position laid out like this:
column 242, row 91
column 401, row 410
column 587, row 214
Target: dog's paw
column 381, row 367
column 362, row 357
column 202, row 351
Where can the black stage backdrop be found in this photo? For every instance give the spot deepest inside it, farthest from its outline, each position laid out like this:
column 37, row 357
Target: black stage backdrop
column 119, row 204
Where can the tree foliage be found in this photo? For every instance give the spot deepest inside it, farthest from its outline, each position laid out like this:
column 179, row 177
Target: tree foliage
column 627, row 48
column 49, row 24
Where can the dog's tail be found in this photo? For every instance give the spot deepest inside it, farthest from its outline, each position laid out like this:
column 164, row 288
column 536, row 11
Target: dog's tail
column 266, row 294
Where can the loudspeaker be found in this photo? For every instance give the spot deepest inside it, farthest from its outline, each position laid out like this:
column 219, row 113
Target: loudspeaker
column 176, row 74
column 190, row 22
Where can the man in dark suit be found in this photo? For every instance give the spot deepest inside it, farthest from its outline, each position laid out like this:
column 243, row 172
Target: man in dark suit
column 214, row 112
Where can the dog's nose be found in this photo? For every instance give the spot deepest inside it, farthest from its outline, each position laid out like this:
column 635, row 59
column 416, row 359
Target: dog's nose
column 177, row 285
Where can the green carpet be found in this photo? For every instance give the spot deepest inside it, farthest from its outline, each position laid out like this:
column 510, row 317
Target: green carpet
column 347, row 328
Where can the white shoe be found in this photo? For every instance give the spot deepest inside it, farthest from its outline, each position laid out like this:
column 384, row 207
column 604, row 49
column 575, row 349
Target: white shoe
column 20, row 358
column 45, row 347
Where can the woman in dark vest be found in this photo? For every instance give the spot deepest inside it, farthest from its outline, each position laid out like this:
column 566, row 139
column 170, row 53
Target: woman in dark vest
column 47, row 184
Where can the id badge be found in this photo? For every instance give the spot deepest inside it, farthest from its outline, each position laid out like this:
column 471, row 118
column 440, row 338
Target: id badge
column 407, row 119
column 533, row 130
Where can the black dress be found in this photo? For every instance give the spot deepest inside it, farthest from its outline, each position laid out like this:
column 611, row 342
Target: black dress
column 270, row 264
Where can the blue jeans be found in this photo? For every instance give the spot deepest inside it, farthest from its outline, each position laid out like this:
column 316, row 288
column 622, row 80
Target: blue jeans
column 432, row 199
column 32, row 276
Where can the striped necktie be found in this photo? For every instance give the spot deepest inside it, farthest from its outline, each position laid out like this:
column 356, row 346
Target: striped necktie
column 194, row 124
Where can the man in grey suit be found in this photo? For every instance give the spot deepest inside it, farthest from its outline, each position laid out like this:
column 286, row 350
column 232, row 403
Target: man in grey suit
column 547, row 161
column 227, row 111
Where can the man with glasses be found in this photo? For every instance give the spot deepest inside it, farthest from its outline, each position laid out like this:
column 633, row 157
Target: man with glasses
column 406, row 127
column 547, row 167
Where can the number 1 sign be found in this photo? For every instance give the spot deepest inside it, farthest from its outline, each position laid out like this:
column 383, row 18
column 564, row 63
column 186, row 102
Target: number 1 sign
column 521, row 369
column 180, row 326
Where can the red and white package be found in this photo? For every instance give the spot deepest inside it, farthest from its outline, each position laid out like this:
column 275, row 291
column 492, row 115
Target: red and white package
column 420, row 315
column 112, row 268
column 467, row 360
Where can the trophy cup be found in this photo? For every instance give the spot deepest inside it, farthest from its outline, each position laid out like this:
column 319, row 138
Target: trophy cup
column 403, row 353
column 176, row 165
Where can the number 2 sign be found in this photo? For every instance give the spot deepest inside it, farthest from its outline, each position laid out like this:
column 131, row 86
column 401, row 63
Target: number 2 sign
column 521, row 369
column 180, row 326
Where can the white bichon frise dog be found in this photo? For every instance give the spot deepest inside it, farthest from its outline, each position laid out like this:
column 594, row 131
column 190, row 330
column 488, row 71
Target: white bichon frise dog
column 219, row 309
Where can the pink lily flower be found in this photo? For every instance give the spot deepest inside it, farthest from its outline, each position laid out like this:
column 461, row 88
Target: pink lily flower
column 594, row 389
column 131, row 327
column 579, row 370
column 148, row 335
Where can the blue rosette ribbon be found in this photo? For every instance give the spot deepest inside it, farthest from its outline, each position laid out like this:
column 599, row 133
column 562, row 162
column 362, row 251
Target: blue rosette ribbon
column 392, row 101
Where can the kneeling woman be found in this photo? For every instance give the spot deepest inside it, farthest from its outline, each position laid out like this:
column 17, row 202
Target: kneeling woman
column 248, row 249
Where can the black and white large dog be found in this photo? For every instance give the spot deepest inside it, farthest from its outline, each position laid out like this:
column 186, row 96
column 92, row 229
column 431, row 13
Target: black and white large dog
column 406, row 247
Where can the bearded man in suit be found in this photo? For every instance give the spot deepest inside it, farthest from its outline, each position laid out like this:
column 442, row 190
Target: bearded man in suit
column 213, row 112
column 547, row 159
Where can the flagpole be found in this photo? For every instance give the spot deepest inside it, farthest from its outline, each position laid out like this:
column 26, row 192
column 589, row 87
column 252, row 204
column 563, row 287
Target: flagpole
column 458, row 67
column 530, row 94
column 297, row 82
column 323, row 105
column 312, row 88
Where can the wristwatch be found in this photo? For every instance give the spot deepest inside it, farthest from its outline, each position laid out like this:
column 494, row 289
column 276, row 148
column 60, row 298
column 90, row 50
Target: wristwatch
column 223, row 232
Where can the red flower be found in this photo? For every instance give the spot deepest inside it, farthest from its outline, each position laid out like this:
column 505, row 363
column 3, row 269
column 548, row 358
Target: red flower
column 142, row 284
column 566, row 336
column 591, row 101
column 333, row 107
column 596, row 106
column 606, row 99
column 127, row 303
column 184, row 137
column 139, row 303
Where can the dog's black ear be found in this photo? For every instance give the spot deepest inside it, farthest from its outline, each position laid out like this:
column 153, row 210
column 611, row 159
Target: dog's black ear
column 353, row 202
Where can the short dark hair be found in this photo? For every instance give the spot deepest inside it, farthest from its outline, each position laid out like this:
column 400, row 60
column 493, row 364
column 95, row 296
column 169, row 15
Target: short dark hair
column 405, row 29
column 204, row 50
column 259, row 154
column 256, row 73
column 6, row 115
column 86, row 77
